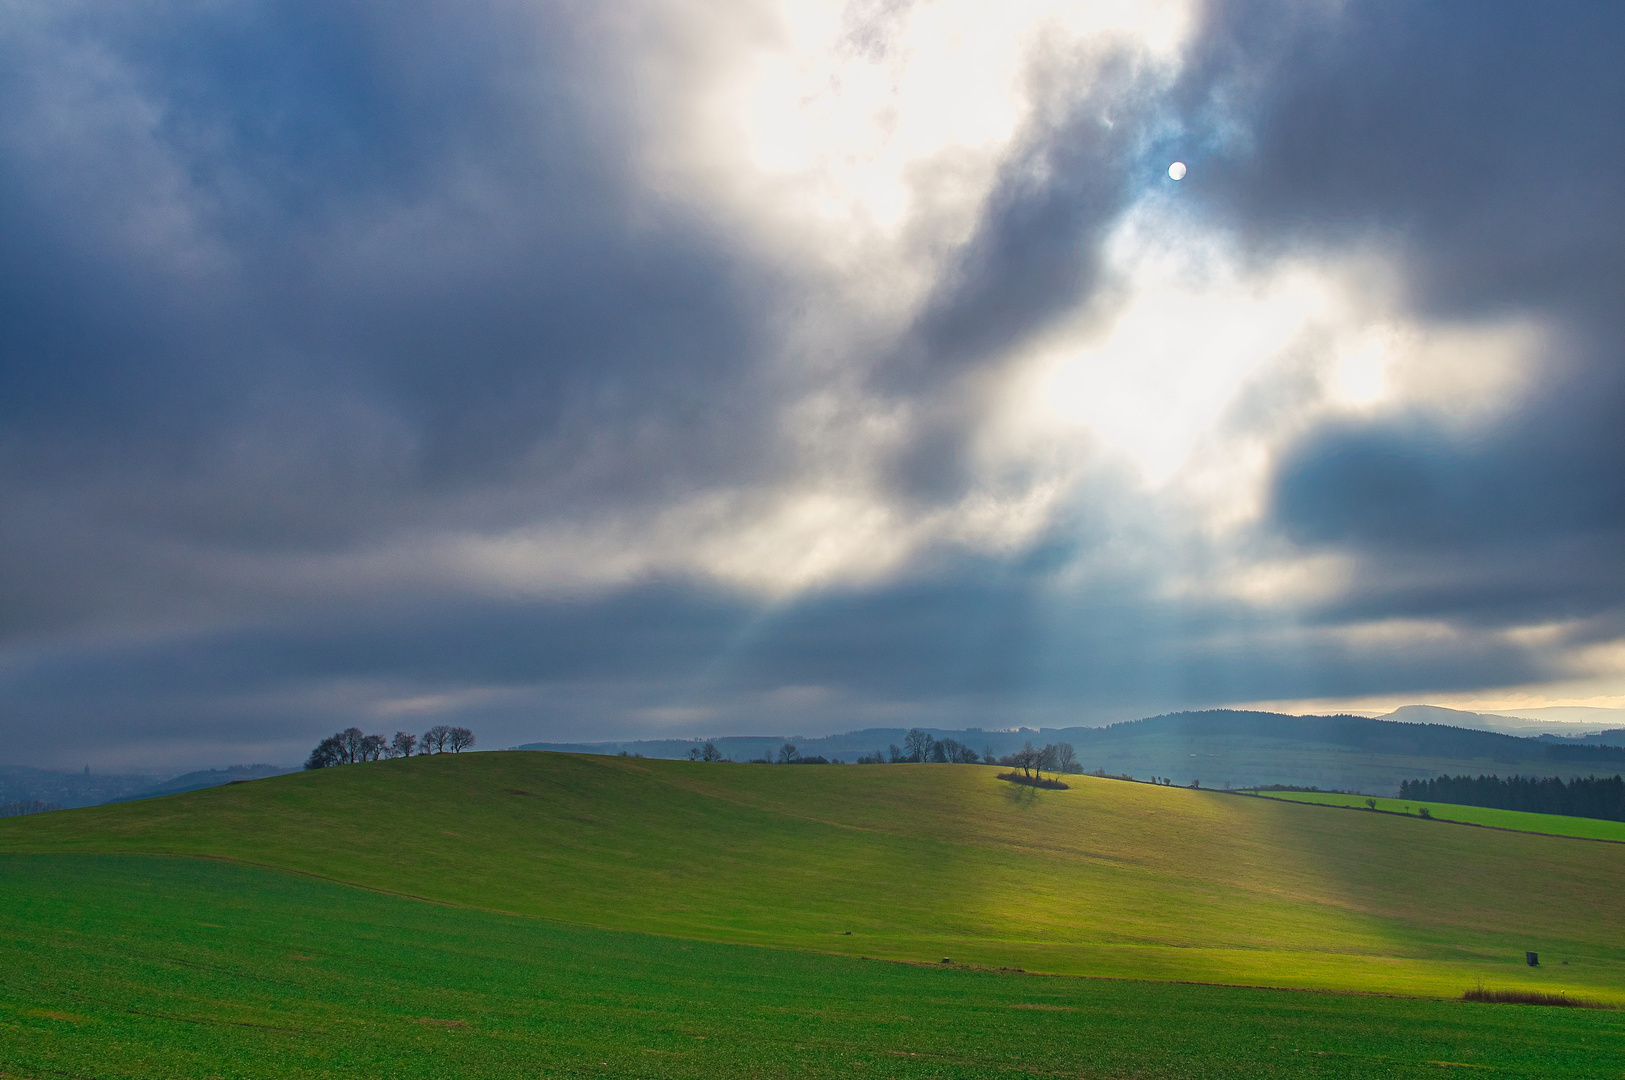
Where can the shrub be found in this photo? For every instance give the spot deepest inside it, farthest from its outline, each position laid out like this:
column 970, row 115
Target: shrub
column 1031, row 780
column 1530, row 997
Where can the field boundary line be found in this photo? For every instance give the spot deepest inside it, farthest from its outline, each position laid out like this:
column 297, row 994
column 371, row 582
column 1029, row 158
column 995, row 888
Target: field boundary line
column 1442, row 821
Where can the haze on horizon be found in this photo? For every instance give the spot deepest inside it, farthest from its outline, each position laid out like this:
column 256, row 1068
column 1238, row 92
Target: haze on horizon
column 575, row 371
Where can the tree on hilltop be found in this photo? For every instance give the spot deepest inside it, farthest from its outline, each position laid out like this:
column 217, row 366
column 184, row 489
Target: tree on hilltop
column 326, row 755
column 1031, row 760
column 918, row 744
column 954, row 752
column 1066, row 758
column 353, row 745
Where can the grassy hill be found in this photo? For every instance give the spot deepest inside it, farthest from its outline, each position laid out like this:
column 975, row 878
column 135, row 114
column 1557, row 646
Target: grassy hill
column 140, row 967
column 919, row 863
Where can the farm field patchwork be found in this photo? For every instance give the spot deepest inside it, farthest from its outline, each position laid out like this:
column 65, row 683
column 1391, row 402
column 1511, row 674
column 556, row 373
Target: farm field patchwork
column 130, row 966
column 920, row 862
column 1515, row 820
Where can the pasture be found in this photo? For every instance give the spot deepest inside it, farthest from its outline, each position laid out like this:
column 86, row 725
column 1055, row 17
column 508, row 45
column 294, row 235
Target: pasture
column 132, row 966
column 1515, row 820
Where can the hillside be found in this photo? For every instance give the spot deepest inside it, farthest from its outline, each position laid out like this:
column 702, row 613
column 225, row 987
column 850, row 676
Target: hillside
column 918, row 863
column 206, row 778
column 1226, row 747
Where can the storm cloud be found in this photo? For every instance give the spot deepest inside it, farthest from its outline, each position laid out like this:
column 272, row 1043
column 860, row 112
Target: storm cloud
column 572, row 372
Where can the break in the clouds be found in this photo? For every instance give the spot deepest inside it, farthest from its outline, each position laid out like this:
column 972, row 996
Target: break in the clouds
column 571, row 369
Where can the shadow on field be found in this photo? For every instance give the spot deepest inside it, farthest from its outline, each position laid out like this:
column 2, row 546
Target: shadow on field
column 1469, row 896
column 1021, row 796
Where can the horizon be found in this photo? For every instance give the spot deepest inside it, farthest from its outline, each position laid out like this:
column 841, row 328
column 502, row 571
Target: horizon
column 1581, row 726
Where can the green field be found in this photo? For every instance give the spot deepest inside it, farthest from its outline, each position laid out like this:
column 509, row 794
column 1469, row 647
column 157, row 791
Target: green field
column 130, row 966
column 920, row 862
column 1516, row 820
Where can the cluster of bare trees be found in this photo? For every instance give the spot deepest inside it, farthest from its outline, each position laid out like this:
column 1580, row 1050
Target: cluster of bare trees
column 352, row 745
column 27, row 806
column 921, row 745
column 1055, row 757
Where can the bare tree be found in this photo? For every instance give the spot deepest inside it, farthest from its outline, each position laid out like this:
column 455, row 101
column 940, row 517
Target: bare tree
column 954, row 752
column 328, row 752
column 709, row 752
column 1027, row 759
column 371, row 748
column 919, row 744
column 1066, row 758
column 787, row 754
column 896, row 753
column 351, row 740
column 434, row 740
column 459, row 739
column 403, row 745
column 1047, row 760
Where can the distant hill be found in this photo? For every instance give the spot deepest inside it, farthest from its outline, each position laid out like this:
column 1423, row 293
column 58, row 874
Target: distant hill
column 1584, row 717
column 21, row 784
column 1576, row 724
column 1222, row 748
column 1615, row 737
column 206, row 778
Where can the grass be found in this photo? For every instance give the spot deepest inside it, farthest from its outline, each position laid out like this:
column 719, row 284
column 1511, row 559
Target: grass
column 1515, row 820
column 918, row 862
column 129, row 966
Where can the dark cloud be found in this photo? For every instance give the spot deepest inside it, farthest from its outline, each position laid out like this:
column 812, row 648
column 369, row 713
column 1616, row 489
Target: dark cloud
column 1035, row 256
column 288, row 292
column 284, row 277
column 1479, row 145
column 1481, row 139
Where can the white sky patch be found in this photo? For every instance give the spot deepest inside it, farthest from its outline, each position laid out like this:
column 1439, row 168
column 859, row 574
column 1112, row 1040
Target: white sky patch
column 1158, row 377
column 849, row 124
column 1194, row 369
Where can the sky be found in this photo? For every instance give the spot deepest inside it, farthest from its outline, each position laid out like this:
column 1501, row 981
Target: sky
column 571, row 370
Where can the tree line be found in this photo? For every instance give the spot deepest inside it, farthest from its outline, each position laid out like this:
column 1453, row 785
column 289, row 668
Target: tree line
column 1591, row 796
column 353, row 745
column 922, row 746
column 919, row 746
column 27, row 806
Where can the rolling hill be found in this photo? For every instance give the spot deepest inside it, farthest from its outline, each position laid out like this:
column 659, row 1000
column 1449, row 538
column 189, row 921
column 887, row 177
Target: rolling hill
column 918, row 863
